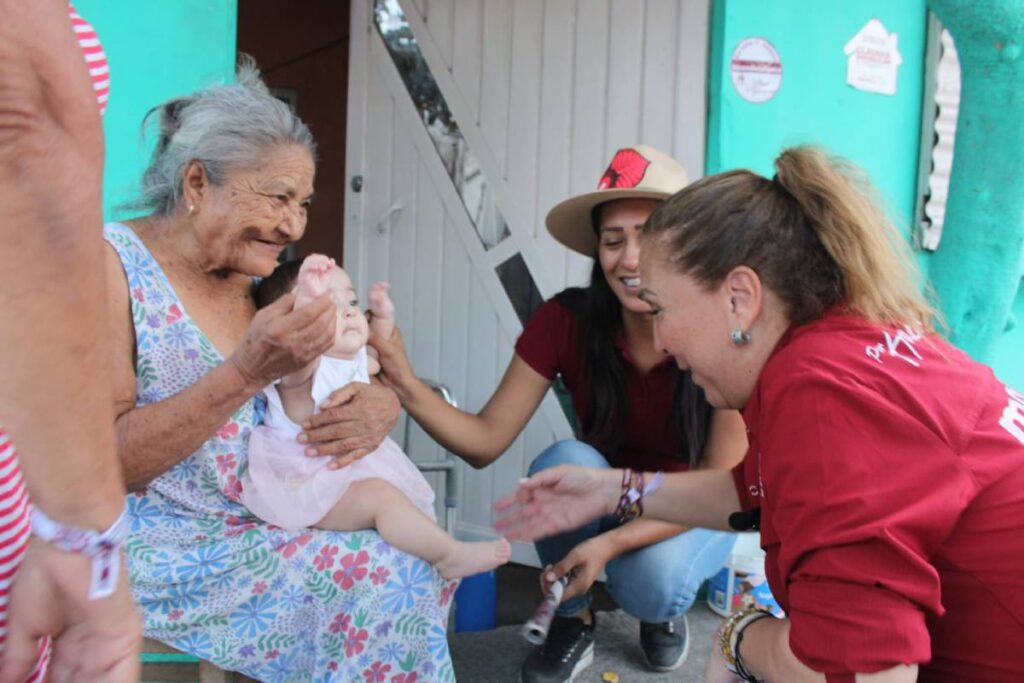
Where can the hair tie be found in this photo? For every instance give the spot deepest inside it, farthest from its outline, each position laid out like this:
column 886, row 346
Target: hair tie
column 780, row 187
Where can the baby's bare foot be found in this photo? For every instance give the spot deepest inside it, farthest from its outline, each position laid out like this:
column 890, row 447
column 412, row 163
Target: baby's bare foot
column 466, row 559
column 315, row 275
column 380, row 303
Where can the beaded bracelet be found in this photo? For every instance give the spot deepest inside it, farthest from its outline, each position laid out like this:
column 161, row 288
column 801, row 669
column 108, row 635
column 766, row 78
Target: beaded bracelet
column 731, row 636
column 631, row 502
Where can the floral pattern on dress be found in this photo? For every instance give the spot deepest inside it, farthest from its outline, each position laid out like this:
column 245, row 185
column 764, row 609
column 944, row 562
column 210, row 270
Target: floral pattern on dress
column 216, row 582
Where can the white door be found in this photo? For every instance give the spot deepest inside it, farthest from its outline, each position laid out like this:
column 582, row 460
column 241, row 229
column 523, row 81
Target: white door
column 543, row 93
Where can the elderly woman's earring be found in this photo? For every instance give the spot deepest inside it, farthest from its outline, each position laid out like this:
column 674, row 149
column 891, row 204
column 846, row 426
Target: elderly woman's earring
column 739, row 337
column 191, row 209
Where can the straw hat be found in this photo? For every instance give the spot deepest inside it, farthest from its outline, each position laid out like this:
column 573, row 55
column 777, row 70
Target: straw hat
column 639, row 172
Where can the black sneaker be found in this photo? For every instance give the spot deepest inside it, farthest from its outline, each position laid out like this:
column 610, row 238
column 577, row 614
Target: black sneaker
column 568, row 650
column 665, row 649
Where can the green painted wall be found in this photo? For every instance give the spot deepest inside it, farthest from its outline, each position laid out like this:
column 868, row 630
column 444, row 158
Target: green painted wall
column 814, row 104
column 978, row 268
column 157, row 49
column 1007, row 356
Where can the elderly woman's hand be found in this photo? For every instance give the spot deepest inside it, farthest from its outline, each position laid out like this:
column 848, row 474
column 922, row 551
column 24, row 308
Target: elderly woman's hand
column 351, row 423
column 282, row 339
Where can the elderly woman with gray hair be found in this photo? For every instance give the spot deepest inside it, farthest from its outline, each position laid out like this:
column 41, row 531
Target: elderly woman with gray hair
column 226, row 191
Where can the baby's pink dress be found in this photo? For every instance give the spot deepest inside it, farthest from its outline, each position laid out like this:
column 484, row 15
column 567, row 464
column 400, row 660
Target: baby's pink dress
column 285, row 487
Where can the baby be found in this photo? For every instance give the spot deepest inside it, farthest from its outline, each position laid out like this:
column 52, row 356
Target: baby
column 382, row 491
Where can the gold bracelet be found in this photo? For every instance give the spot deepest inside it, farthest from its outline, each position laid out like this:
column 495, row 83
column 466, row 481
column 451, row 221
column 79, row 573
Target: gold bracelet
column 731, row 632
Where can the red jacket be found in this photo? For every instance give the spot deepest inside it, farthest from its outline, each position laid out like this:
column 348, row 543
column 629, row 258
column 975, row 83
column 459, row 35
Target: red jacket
column 889, row 469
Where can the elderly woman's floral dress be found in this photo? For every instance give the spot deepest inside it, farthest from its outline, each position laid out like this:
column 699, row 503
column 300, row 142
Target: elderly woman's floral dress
column 214, row 581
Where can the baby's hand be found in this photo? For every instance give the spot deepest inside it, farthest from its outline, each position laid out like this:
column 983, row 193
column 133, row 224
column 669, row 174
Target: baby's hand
column 380, row 303
column 315, row 275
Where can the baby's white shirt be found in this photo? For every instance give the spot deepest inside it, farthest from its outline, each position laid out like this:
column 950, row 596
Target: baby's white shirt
column 331, row 374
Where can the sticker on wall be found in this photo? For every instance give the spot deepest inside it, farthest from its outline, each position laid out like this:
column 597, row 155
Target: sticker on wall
column 873, row 59
column 756, row 70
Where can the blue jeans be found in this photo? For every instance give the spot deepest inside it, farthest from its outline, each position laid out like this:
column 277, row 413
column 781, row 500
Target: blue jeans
column 653, row 584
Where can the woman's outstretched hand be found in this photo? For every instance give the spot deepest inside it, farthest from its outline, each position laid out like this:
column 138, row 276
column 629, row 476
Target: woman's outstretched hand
column 282, row 338
column 556, row 500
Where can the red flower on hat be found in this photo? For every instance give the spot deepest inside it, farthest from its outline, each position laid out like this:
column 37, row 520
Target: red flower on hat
column 626, row 170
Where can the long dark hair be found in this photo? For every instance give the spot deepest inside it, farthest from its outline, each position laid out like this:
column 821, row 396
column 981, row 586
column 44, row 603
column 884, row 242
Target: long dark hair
column 599, row 314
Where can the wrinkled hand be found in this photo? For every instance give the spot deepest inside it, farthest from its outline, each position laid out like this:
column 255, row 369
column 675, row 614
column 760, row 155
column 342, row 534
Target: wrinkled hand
column 585, row 562
column 716, row 671
column 281, row 339
column 93, row 640
column 557, row 499
column 396, row 371
column 352, row 423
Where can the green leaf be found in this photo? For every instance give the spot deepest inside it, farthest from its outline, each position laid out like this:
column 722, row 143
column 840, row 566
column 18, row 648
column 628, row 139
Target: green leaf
column 139, row 550
column 208, row 482
column 354, row 542
column 220, row 649
column 323, row 588
column 275, row 641
column 210, row 525
column 211, row 620
column 412, row 624
column 335, row 647
column 145, row 372
column 409, row 662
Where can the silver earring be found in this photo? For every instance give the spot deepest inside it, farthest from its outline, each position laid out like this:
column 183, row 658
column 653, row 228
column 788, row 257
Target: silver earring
column 739, row 337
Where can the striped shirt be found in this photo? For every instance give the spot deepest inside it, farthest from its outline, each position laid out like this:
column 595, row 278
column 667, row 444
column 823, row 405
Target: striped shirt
column 14, row 536
column 15, row 508
column 95, row 58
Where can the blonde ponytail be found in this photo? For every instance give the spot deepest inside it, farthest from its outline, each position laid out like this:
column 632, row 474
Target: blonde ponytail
column 814, row 234
column 880, row 280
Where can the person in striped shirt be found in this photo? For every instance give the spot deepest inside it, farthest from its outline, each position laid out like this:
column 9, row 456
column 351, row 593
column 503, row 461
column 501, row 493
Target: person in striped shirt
column 53, row 364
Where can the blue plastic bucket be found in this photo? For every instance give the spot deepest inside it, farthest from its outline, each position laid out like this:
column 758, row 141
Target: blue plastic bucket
column 476, row 603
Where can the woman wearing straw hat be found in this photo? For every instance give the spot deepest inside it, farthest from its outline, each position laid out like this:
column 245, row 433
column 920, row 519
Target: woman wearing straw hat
column 634, row 409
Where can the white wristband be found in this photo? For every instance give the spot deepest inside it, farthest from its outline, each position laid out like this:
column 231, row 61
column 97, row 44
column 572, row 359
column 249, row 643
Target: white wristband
column 103, row 547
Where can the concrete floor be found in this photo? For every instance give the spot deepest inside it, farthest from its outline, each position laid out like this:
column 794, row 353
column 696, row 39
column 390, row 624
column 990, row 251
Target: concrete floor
column 495, row 656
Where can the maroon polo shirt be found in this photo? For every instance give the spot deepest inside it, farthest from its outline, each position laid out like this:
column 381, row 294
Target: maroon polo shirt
column 889, row 469
column 550, row 345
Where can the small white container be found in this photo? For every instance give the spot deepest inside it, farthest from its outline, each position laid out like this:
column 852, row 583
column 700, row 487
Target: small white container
column 741, row 583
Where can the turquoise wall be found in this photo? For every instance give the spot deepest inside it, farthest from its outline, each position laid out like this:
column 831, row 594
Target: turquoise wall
column 814, row 104
column 1007, row 357
column 157, row 49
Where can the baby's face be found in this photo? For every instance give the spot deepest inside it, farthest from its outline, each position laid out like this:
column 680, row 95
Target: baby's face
column 352, row 328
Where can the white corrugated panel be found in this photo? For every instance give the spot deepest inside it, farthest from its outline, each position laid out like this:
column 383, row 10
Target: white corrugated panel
column 947, row 105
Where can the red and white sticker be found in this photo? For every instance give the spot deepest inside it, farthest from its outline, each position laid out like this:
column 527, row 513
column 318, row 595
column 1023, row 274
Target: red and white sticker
column 756, row 70
column 873, row 59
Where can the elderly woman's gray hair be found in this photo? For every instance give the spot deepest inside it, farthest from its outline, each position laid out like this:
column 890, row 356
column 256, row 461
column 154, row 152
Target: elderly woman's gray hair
column 225, row 127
